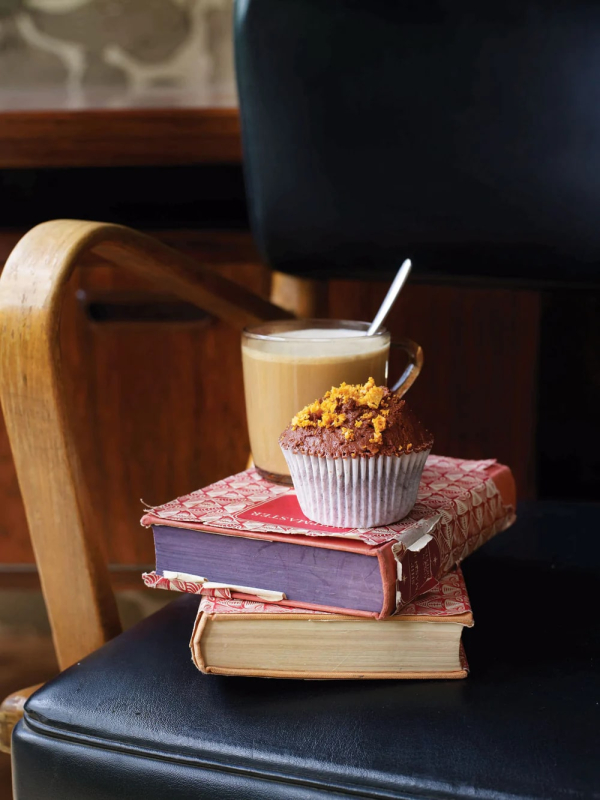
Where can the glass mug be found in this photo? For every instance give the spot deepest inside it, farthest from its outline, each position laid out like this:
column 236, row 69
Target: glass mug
column 290, row 363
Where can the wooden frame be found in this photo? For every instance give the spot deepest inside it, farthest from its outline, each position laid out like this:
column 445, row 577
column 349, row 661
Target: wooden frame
column 119, row 137
column 74, row 578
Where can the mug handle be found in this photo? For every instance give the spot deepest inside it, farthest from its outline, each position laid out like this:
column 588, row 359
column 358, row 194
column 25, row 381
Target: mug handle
column 414, row 352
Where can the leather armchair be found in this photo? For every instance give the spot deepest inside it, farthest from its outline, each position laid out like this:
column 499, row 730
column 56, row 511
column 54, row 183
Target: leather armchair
column 463, row 135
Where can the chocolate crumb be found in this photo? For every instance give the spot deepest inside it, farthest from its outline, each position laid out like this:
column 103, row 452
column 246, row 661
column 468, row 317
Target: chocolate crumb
column 338, row 425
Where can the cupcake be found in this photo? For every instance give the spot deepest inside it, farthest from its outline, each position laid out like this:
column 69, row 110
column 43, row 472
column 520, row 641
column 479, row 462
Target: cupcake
column 356, row 456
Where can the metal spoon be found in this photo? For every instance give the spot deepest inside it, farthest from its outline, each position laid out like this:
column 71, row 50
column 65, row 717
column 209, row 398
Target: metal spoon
column 390, row 297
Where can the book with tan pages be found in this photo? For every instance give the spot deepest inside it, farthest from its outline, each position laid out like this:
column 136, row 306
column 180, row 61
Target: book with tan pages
column 242, row 637
column 246, row 538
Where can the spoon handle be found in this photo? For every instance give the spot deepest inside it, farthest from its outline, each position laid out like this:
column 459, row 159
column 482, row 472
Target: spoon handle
column 390, row 297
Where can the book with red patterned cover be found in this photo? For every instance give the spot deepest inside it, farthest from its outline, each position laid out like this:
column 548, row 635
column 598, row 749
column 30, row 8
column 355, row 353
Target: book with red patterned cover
column 259, row 639
column 246, row 538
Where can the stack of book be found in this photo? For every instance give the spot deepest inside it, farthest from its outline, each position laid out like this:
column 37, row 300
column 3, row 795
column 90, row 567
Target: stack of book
column 283, row 596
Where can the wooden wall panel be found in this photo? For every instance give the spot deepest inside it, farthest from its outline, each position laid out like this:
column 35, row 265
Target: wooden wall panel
column 162, row 411
column 15, row 547
column 477, row 391
column 113, row 137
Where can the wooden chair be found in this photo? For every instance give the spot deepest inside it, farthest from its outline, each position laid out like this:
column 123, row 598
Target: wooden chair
column 74, row 578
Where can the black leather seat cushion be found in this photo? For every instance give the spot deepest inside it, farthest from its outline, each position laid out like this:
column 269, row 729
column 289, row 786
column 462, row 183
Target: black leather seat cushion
column 136, row 720
column 465, row 135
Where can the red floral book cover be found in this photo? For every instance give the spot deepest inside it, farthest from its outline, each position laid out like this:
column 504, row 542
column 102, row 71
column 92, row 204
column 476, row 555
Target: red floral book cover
column 461, row 504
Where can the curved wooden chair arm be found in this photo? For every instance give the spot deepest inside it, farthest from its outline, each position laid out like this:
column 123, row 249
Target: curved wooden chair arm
column 11, row 711
column 57, row 500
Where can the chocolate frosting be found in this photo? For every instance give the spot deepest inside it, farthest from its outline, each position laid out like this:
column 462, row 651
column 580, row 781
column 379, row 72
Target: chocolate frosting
column 356, row 421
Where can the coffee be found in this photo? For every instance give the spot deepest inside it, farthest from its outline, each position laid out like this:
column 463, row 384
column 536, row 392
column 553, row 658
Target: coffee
column 289, row 364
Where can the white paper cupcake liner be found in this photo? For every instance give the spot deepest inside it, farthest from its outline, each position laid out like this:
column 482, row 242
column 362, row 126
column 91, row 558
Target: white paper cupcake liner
column 356, row 492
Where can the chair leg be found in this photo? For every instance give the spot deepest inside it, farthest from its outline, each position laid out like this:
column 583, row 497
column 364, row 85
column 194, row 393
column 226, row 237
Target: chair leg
column 11, row 711
column 304, row 297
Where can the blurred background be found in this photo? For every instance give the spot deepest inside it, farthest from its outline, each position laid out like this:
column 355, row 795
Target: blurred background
column 115, row 53
column 126, row 111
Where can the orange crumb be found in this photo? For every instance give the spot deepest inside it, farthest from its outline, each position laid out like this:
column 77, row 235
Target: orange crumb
column 325, row 414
